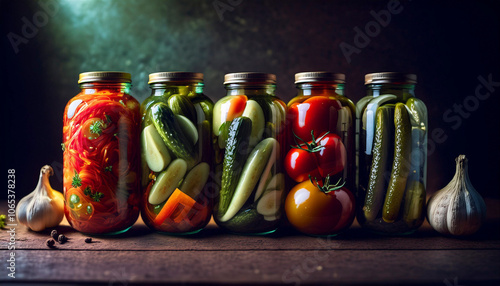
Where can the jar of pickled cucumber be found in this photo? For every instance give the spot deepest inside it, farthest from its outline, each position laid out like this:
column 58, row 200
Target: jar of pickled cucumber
column 101, row 128
column 249, row 125
column 391, row 154
column 176, row 152
column 320, row 157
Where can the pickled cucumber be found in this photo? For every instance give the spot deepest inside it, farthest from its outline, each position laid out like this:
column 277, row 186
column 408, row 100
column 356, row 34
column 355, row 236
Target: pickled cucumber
column 400, row 164
column 380, row 163
column 237, row 149
column 414, row 203
column 181, row 105
column 370, row 113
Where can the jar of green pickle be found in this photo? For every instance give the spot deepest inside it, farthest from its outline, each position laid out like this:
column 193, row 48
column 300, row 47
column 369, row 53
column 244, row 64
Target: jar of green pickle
column 391, row 154
column 249, row 125
column 176, row 152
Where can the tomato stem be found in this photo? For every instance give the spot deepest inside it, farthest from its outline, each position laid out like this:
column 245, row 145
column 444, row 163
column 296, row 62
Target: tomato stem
column 310, row 147
column 326, row 187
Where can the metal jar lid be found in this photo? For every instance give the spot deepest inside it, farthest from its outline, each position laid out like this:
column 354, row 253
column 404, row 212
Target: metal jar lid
column 249, row 77
column 390, row 77
column 105, row 76
column 318, row 76
column 175, row 76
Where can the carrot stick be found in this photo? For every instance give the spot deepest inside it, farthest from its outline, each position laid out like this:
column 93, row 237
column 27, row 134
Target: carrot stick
column 178, row 204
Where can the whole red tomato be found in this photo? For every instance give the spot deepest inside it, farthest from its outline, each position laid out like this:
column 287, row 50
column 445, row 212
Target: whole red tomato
column 300, row 163
column 318, row 113
column 312, row 211
column 332, row 156
column 319, row 158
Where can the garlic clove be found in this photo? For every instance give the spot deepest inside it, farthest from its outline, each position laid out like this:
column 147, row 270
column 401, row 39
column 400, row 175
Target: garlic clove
column 457, row 209
column 42, row 208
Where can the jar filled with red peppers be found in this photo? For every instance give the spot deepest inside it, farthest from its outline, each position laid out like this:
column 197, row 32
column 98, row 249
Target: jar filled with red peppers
column 176, row 151
column 101, row 155
column 320, row 160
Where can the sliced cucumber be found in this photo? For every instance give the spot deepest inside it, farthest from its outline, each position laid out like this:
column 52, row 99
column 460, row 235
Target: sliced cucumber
column 223, row 134
column 188, row 128
column 195, row 180
column 200, row 113
column 154, row 150
column 270, row 203
column 167, row 181
column 361, row 105
column 277, row 182
column 271, row 217
column 267, row 170
column 250, row 175
column 255, row 113
column 218, row 114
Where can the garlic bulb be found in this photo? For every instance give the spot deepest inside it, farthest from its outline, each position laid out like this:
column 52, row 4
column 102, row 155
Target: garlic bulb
column 457, row 209
column 42, row 208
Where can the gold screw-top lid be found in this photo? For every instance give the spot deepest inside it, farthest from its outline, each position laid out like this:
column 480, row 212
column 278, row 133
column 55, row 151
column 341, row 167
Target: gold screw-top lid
column 105, row 76
column 390, row 77
column 249, row 77
column 175, row 76
column 318, row 76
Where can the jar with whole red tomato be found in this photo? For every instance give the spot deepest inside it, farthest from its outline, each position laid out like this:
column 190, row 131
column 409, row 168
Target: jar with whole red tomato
column 391, row 154
column 320, row 161
column 249, row 123
column 101, row 155
column 176, row 150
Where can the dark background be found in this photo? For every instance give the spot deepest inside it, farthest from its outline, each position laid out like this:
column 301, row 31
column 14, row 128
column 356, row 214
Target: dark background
column 447, row 44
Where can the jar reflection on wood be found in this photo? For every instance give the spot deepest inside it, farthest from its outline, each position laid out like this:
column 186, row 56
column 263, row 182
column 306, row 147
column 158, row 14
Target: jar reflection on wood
column 101, row 155
column 176, row 149
column 249, row 123
column 391, row 154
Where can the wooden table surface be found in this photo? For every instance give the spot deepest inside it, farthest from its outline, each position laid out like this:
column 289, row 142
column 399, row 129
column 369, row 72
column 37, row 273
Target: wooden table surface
column 143, row 257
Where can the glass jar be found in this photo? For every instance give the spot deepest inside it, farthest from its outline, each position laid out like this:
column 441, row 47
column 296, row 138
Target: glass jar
column 249, row 123
column 321, row 137
column 176, row 152
column 101, row 155
column 391, row 154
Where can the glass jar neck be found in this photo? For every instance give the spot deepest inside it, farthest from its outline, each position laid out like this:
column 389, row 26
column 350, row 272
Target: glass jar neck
column 250, row 89
column 117, row 87
column 319, row 88
column 182, row 88
column 402, row 91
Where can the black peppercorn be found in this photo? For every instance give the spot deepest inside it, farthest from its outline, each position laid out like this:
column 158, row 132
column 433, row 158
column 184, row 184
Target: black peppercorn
column 53, row 234
column 50, row 243
column 88, row 240
column 62, row 238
